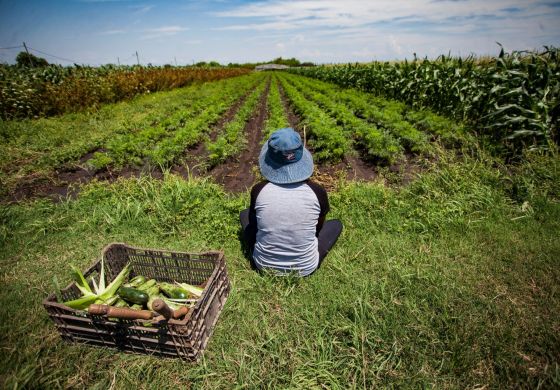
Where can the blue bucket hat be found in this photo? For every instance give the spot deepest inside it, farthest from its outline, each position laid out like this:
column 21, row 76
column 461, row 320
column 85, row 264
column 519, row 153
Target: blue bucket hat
column 283, row 158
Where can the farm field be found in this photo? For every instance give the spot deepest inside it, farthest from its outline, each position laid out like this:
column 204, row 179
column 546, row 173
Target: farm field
column 196, row 129
column 446, row 274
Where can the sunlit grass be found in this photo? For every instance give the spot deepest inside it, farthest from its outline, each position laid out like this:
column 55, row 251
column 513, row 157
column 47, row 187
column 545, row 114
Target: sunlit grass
column 450, row 282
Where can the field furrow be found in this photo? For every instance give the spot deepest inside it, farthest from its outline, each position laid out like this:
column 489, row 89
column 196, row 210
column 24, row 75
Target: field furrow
column 277, row 115
column 162, row 145
column 231, row 139
column 385, row 119
column 237, row 173
column 376, row 143
column 325, row 137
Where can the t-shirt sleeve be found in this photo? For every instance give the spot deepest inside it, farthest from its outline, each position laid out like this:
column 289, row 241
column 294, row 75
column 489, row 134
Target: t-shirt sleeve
column 321, row 194
column 252, row 228
column 255, row 191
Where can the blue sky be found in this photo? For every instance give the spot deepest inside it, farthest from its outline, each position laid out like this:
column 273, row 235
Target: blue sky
column 100, row 31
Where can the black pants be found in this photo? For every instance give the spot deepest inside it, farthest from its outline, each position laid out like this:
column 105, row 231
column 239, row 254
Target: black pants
column 327, row 236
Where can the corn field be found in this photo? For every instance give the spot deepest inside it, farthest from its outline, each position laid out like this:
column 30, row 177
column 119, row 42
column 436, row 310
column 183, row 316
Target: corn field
column 53, row 90
column 512, row 99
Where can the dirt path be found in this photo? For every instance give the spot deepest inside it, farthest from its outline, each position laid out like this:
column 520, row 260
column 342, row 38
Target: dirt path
column 65, row 183
column 194, row 162
column 238, row 174
column 293, row 119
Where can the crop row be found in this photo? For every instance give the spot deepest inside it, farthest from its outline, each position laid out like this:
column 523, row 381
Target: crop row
column 513, row 98
column 397, row 118
column 170, row 149
column 325, row 136
column 277, row 116
column 377, row 143
column 231, row 139
column 35, row 149
column 53, row 90
column 167, row 138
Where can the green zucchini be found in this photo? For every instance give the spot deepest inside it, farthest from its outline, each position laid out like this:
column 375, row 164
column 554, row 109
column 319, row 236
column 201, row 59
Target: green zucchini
column 174, row 291
column 133, row 295
column 136, row 281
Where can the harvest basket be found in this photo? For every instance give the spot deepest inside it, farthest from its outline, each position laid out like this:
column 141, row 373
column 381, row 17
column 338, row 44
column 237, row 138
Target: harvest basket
column 185, row 338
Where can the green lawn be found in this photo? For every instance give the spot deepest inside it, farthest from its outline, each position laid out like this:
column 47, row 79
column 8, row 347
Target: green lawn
column 449, row 282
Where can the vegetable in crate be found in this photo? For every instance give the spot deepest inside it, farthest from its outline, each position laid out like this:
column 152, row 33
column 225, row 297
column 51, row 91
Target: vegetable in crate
column 154, row 290
column 161, row 307
column 169, row 302
column 101, row 292
column 110, row 301
column 120, row 303
column 147, row 285
column 195, row 291
column 136, row 281
column 133, row 295
column 173, row 291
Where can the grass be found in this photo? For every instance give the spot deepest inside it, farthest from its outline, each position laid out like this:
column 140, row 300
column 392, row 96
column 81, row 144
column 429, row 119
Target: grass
column 450, row 282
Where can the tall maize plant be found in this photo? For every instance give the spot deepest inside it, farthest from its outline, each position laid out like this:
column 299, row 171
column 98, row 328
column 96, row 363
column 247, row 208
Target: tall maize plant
column 54, row 89
column 513, row 98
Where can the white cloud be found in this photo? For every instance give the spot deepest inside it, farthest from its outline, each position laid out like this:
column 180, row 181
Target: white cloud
column 164, row 31
column 395, row 45
column 258, row 26
column 391, row 29
column 357, row 12
column 112, row 32
column 413, row 14
column 168, row 29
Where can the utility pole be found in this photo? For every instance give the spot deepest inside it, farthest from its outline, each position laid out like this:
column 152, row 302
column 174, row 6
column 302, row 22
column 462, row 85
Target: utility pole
column 119, row 61
column 28, row 55
column 175, row 58
column 137, row 60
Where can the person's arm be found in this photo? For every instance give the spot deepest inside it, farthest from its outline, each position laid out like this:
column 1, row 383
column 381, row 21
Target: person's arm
column 252, row 228
column 323, row 199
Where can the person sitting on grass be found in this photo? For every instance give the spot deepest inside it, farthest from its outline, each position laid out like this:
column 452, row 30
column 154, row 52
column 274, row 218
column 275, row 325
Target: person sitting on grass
column 284, row 228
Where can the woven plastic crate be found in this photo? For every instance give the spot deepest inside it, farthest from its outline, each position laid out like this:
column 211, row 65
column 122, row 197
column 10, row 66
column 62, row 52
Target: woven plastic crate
column 185, row 338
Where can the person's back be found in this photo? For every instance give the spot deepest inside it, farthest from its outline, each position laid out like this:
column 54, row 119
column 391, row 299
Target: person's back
column 285, row 227
column 287, row 217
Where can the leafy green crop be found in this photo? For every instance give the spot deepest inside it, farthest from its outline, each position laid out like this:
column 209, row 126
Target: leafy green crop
column 377, row 143
column 325, row 136
column 277, row 117
column 230, row 141
column 514, row 98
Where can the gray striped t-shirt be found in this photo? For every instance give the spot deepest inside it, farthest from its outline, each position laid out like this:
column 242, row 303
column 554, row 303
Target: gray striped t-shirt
column 287, row 216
